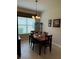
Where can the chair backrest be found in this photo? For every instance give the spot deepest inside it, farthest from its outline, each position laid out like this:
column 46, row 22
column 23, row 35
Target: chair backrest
column 46, row 33
column 50, row 38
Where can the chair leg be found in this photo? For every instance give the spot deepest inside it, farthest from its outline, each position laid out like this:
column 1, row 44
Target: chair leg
column 44, row 50
column 31, row 44
column 33, row 47
column 50, row 48
column 40, row 49
column 29, row 41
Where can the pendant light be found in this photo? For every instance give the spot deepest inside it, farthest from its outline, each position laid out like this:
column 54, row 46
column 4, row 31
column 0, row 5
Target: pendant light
column 36, row 16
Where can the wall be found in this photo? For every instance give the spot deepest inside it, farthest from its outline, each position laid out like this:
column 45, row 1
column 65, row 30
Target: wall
column 52, row 11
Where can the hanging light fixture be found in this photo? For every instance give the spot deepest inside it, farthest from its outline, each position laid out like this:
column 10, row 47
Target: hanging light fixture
column 36, row 17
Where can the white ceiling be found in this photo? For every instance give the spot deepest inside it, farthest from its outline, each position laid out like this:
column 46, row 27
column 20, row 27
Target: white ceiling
column 31, row 4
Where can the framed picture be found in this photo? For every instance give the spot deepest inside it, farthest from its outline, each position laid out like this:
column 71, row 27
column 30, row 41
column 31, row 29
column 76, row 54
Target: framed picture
column 56, row 22
column 50, row 23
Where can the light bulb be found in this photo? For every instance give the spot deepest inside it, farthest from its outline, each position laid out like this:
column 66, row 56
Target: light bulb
column 33, row 17
column 37, row 17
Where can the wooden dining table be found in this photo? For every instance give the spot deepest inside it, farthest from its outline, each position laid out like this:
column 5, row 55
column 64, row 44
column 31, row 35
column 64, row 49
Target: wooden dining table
column 41, row 40
column 40, row 37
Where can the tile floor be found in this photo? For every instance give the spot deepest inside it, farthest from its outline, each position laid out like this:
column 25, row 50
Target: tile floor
column 28, row 53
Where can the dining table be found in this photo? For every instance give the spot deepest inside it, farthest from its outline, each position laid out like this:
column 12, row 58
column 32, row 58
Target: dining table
column 41, row 39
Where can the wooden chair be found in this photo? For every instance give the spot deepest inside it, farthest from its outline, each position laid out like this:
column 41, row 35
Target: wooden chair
column 45, row 44
column 33, row 41
column 48, row 43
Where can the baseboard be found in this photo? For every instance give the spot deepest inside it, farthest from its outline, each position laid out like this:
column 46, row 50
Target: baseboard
column 57, row 45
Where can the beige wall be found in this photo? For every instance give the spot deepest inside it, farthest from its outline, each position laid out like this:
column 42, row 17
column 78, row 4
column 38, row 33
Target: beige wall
column 52, row 11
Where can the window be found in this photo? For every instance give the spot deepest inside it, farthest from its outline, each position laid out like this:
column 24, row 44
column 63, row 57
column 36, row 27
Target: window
column 25, row 25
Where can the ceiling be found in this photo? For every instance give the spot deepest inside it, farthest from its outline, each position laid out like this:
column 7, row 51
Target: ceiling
column 31, row 4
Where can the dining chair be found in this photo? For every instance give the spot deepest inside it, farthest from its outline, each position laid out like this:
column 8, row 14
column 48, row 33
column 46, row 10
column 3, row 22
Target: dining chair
column 31, row 38
column 33, row 41
column 48, row 43
column 45, row 44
